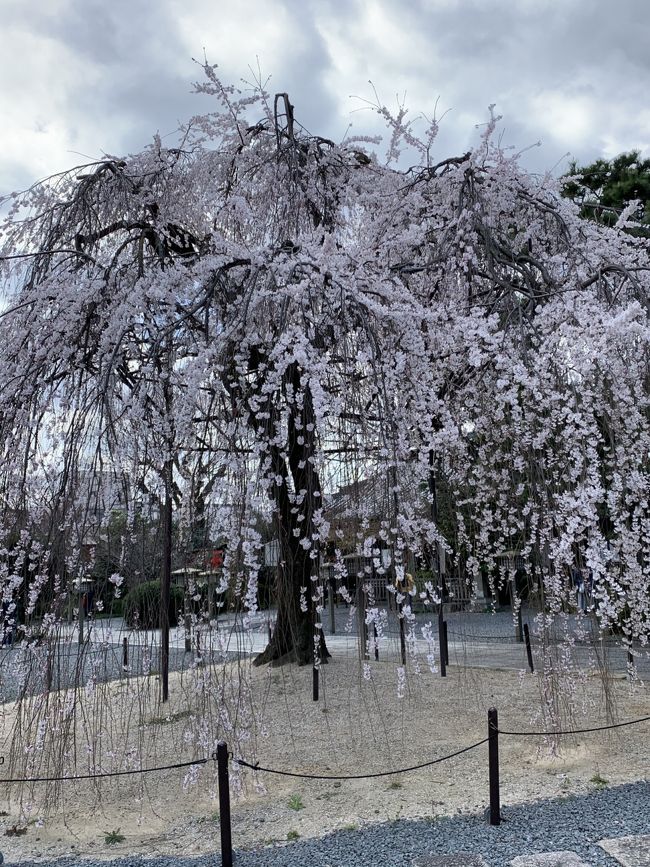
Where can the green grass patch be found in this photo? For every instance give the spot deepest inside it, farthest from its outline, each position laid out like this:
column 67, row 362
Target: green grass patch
column 111, row 838
column 295, row 803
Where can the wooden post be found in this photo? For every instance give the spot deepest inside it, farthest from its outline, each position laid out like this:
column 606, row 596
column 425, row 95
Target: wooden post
column 493, row 759
column 441, row 637
column 166, row 570
column 363, row 629
column 224, row 804
column 166, row 579
column 187, row 619
column 529, row 651
column 444, row 633
column 82, row 616
column 402, row 637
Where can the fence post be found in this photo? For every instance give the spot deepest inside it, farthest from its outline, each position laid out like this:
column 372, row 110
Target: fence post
column 402, row 636
column 315, row 683
column 441, row 637
column 363, row 627
column 224, row 804
column 331, row 603
column 374, row 627
column 493, row 759
column 529, row 651
column 187, row 623
column 125, row 653
column 444, row 632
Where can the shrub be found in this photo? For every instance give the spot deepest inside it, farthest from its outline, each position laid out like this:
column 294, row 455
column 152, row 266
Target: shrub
column 142, row 605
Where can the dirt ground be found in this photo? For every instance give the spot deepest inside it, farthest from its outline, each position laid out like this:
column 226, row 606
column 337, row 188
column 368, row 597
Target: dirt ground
column 358, row 726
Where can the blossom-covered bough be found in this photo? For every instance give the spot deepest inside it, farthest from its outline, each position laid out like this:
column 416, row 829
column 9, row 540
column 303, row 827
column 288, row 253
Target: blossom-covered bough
column 256, row 318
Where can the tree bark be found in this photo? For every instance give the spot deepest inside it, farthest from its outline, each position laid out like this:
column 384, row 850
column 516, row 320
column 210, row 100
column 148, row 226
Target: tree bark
column 293, row 639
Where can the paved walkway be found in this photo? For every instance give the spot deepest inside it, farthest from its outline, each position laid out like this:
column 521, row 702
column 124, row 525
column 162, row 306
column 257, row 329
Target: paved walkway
column 476, row 640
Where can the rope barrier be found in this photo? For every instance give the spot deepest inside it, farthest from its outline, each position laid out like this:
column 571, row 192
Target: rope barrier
column 576, row 731
column 257, row 767
column 109, row 773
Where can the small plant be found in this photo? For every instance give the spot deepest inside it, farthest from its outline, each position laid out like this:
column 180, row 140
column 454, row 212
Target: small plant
column 295, row 803
column 293, row 835
column 351, row 827
column 113, row 837
column 599, row 781
column 396, row 785
column 565, row 784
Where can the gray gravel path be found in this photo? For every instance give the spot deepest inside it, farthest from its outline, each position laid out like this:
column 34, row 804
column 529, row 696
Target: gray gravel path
column 571, row 823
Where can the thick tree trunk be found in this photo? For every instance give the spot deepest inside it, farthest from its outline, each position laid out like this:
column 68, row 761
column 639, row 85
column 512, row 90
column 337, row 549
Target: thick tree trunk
column 293, row 637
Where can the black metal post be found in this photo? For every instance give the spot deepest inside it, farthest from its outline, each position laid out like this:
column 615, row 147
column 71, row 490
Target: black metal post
column 441, row 638
column 520, row 631
column 374, row 628
column 363, row 626
column 493, row 759
column 529, row 651
column 187, row 621
column 630, row 662
column 444, row 633
column 315, row 683
column 224, row 804
column 125, row 653
column 402, row 637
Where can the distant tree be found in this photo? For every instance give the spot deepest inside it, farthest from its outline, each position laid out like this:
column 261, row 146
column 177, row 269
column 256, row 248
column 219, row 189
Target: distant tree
column 605, row 188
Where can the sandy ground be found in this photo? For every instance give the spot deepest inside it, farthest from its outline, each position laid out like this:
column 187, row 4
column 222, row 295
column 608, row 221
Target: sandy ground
column 357, row 726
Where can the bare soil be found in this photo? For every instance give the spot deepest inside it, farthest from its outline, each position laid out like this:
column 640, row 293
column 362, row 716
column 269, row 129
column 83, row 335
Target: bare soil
column 357, row 727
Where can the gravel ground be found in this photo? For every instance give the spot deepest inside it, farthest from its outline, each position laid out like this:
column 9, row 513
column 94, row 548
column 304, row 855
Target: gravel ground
column 570, row 823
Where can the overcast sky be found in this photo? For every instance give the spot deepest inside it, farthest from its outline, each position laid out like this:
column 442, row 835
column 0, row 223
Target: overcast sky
column 79, row 78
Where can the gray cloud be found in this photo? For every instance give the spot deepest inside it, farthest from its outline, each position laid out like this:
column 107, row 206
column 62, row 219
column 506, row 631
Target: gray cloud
column 84, row 75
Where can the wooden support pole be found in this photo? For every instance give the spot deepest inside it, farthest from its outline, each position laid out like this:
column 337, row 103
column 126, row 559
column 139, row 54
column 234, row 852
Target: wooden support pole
column 441, row 638
column 224, row 804
column 444, row 632
column 529, row 651
column 187, row 621
column 493, row 759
